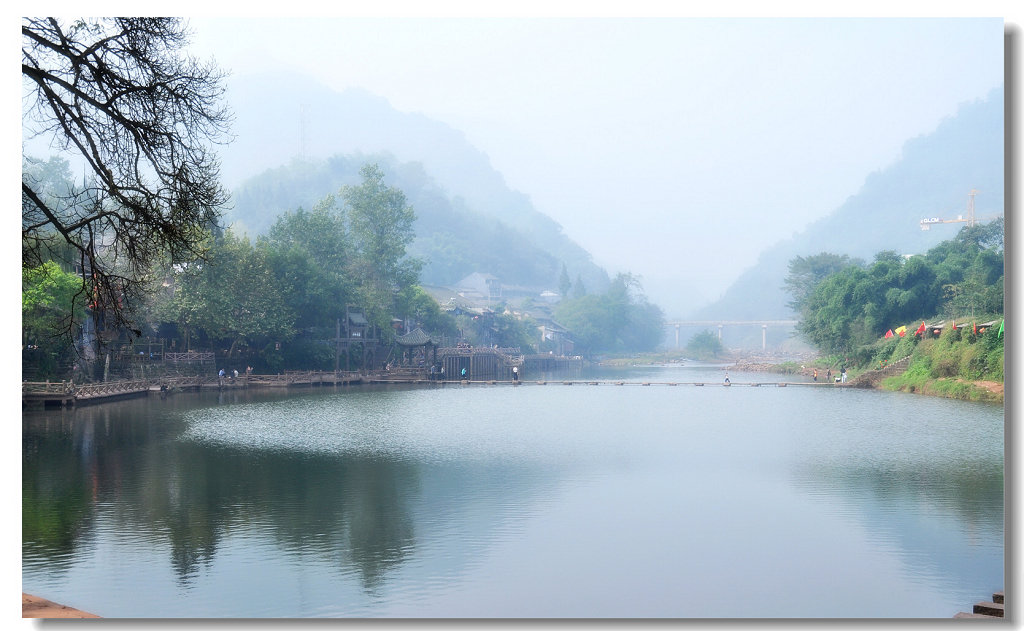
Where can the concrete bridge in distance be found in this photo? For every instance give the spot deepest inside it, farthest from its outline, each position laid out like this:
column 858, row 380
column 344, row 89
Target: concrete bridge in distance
column 723, row 323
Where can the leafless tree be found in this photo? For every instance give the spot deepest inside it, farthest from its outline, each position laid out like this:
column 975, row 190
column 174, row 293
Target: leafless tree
column 121, row 95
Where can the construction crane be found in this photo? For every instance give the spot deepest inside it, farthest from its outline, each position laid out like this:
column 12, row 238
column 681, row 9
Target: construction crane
column 926, row 224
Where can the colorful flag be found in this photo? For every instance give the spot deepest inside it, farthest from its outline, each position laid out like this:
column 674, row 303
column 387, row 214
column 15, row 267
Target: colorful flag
column 1000, row 328
column 888, row 333
column 921, row 329
column 901, row 331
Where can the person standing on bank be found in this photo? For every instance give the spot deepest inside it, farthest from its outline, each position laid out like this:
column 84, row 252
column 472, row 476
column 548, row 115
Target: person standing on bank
column 515, row 373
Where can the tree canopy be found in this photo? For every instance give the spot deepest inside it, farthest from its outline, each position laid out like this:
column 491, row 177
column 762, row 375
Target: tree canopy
column 856, row 305
column 621, row 319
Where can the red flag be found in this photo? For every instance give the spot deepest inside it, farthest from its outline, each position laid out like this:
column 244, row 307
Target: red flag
column 975, row 328
column 888, row 333
column 920, row 330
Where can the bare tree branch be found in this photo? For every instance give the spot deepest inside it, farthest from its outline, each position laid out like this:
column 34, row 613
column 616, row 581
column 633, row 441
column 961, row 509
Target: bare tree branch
column 121, row 94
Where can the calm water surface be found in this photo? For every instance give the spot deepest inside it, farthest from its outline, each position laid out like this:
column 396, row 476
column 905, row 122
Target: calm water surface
column 533, row 501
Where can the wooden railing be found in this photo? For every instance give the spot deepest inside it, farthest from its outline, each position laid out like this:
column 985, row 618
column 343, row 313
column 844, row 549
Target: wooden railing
column 47, row 387
column 110, row 388
column 190, row 356
column 65, row 391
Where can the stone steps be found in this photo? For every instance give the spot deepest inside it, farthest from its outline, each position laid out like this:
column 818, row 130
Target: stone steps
column 994, row 609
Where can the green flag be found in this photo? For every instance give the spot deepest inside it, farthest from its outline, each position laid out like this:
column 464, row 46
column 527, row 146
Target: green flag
column 1001, row 328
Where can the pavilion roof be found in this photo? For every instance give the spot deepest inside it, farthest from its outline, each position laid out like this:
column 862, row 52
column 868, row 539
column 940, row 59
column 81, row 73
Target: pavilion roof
column 416, row 337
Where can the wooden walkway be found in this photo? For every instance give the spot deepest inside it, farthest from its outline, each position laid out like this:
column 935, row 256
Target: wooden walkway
column 66, row 393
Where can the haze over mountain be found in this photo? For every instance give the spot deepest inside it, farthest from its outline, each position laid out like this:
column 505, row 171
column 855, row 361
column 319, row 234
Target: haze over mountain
column 932, row 178
column 445, row 177
column 457, row 194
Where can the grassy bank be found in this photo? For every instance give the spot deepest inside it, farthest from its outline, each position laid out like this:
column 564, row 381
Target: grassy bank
column 958, row 365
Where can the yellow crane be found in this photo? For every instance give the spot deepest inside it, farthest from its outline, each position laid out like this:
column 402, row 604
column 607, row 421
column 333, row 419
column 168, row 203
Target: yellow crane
column 926, row 224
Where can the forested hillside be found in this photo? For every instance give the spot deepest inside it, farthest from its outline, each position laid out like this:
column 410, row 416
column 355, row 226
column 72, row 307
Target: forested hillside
column 451, row 239
column 932, row 178
column 463, row 205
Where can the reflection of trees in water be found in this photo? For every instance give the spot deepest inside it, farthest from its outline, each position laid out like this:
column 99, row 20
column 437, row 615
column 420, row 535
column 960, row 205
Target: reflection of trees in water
column 70, row 459
column 354, row 511
column 890, row 499
column 122, row 467
column 56, row 502
column 380, row 529
column 973, row 493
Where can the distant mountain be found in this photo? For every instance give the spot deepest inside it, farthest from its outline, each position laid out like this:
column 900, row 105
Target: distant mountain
column 280, row 117
column 932, row 178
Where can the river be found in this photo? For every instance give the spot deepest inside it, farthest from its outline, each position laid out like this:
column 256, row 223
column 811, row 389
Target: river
column 531, row 501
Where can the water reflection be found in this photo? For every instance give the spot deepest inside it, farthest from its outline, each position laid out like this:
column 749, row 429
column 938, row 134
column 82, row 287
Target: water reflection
column 158, row 487
column 402, row 500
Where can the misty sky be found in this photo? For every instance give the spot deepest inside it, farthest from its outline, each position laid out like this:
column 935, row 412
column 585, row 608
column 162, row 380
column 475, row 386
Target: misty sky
column 676, row 149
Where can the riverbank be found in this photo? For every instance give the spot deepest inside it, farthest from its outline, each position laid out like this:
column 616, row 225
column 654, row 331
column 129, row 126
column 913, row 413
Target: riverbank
column 962, row 389
column 36, row 607
column 912, row 381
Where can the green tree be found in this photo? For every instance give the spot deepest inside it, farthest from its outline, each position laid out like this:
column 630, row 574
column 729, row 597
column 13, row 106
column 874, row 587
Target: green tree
column 417, row 304
column 806, row 272
column 621, row 319
column 579, row 289
column 381, row 226
column 311, row 255
column 704, row 345
column 501, row 328
column 234, row 296
column 52, row 300
column 564, row 284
